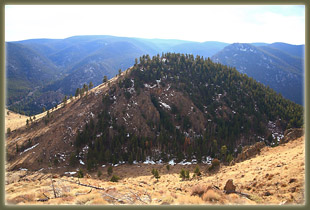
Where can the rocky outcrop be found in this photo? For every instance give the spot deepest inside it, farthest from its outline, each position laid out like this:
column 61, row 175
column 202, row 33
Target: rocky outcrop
column 249, row 152
column 292, row 133
column 230, row 187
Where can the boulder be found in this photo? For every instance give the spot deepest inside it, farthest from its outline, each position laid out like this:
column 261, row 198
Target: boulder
column 230, row 187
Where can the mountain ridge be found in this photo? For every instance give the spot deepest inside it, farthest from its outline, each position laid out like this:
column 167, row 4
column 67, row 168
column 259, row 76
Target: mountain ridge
column 156, row 109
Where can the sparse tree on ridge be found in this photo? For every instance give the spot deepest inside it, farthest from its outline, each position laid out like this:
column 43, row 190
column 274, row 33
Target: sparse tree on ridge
column 105, row 79
column 91, row 85
column 77, row 92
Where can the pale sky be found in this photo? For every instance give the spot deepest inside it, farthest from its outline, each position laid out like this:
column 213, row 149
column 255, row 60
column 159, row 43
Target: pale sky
column 231, row 23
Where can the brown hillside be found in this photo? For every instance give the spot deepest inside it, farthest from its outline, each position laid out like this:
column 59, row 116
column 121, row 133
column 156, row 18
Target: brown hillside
column 276, row 176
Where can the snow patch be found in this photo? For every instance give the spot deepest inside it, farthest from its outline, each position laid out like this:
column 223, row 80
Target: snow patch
column 81, row 162
column 30, row 148
column 171, row 162
column 165, row 105
column 23, row 169
column 70, row 173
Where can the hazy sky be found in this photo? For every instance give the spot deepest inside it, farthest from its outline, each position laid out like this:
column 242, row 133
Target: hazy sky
column 190, row 22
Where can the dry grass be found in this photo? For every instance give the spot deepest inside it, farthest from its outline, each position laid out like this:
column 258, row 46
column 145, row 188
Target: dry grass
column 137, row 185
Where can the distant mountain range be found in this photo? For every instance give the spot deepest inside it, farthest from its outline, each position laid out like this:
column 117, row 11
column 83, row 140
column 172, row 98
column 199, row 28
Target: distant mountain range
column 40, row 72
column 278, row 65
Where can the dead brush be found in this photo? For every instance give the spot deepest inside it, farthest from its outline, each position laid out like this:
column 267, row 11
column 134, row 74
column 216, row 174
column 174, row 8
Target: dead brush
column 22, row 199
column 211, row 196
column 199, row 190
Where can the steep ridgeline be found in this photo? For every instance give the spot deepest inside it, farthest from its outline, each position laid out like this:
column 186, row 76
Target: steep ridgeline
column 178, row 106
column 278, row 65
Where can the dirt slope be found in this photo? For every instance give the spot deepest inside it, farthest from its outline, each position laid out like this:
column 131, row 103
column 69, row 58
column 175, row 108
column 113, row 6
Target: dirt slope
column 276, row 176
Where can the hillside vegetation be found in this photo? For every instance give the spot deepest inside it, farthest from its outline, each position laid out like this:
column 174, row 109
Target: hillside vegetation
column 275, row 177
column 176, row 106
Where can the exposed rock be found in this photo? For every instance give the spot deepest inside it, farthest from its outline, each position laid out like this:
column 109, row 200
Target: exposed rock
column 292, row 180
column 267, row 193
column 292, row 133
column 249, row 151
column 229, row 187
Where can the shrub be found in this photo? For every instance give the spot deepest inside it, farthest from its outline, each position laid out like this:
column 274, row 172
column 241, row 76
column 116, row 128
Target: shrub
column 168, row 167
column 99, row 173
column 56, row 161
column 197, row 171
column 229, row 158
column 182, row 173
column 80, row 173
column 156, row 174
column 211, row 195
column 73, row 159
column 114, row 178
column 110, row 170
column 215, row 162
column 153, row 171
column 198, row 190
column 187, row 174
column 8, row 130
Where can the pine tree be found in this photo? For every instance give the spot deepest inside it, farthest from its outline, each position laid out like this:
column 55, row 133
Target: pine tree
column 110, row 170
column 105, row 79
column 156, row 174
column 90, row 85
column 77, row 92
column 197, row 171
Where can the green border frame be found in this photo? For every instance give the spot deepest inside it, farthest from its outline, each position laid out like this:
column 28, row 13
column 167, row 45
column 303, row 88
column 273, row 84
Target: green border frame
column 150, row 2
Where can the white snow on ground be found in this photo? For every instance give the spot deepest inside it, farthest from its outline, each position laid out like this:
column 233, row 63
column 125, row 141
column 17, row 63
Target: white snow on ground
column 103, row 166
column 81, row 162
column 30, row 148
column 159, row 162
column 149, row 86
column 171, row 162
column 183, row 163
column 168, row 87
column 207, row 160
column 165, row 105
column 23, row 169
column 149, row 161
column 71, row 173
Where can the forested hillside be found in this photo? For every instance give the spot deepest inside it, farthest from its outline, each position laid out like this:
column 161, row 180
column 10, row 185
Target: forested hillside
column 178, row 106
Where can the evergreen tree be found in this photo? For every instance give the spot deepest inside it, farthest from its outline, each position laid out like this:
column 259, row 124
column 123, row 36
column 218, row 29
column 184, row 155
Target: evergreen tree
column 110, row 170
column 77, row 92
column 91, row 85
column 105, row 79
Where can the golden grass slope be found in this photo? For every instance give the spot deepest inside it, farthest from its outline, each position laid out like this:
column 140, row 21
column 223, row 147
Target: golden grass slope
column 276, row 176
